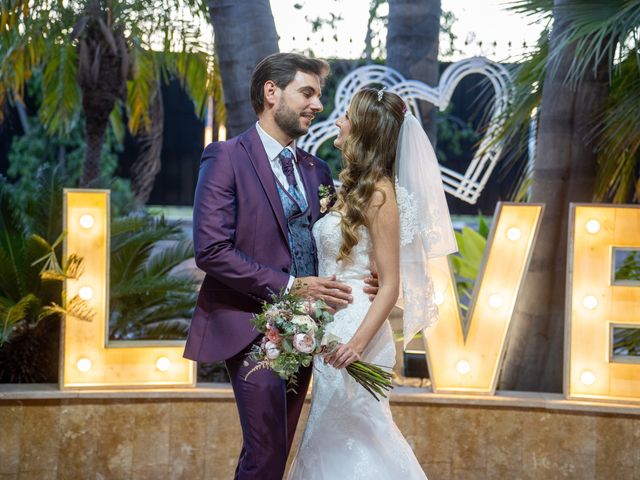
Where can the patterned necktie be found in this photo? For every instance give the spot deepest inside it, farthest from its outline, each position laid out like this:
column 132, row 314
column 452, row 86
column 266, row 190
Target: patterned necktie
column 286, row 160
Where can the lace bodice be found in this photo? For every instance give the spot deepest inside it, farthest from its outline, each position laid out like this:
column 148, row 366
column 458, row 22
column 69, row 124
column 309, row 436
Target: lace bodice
column 328, row 239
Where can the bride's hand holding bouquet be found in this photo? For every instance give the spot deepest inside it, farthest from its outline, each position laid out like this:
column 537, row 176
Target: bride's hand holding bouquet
column 294, row 331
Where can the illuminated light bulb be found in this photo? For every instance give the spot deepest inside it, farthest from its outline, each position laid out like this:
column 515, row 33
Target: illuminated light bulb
column 163, row 364
column 87, row 221
column 85, row 293
column 208, row 135
column 495, row 301
column 588, row 377
column 593, row 226
column 208, row 129
column 438, row 298
column 514, row 234
column 84, row 365
column 463, row 367
column 222, row 133
column 590, row 302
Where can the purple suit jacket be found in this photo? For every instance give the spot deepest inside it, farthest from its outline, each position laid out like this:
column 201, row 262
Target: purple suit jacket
column 240, row 240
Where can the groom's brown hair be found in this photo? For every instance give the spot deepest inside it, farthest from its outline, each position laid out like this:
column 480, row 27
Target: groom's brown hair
column 281, row 68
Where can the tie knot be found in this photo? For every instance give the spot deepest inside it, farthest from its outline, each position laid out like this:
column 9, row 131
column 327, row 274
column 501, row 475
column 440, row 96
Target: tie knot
column 286, row 160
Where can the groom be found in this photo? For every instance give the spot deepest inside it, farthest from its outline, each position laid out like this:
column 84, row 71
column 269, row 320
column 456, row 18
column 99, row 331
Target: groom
column 255, row 204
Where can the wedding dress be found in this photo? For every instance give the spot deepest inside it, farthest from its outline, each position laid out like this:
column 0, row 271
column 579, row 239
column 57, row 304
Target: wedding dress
column 349, row 435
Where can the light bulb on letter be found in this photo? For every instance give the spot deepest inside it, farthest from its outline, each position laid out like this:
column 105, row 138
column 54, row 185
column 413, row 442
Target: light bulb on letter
column 163, row 364
column 463, row 367
column 84, row 365
column 593, row 226
column 495, row 301
column 514, row 234
column 590, row 302
column 587, row 377
column 87, row 221
column 85, row 293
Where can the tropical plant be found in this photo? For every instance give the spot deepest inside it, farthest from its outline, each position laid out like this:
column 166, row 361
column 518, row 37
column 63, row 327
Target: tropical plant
column 581, row 85
column 600, row 31
column 36, row 148
column 31, row 278
column 151, row 295
column 97, row 56
column 629, row 267
column 626, row 342
column 467, row 262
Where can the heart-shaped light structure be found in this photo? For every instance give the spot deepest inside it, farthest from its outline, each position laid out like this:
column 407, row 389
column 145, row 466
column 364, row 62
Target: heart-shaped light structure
column 466, row 186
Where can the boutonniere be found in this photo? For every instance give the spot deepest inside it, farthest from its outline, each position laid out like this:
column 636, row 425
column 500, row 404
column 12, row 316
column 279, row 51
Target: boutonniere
column 326, row 195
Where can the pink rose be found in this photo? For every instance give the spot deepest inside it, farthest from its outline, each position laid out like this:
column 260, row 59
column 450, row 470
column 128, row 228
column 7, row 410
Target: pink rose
column 273, row 335
column 304, row 343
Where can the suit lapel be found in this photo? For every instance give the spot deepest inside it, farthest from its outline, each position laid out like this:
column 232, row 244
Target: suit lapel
column 306, row 167
column 250, row 140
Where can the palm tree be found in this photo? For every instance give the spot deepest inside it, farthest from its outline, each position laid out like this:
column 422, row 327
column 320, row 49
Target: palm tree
column 98, row 56
column 31, row 276
column 245, row 34
column 150, row 297
column 412, row 47
column 583, row 78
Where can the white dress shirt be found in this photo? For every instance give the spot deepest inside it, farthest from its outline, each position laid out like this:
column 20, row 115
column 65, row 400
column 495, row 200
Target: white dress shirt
column 273, row 149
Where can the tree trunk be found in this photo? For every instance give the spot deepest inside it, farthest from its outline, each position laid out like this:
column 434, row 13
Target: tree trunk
column 245, row 33
column 412, row 47
column 146, row 167
column 564, row 172
column 102, row 80
column 94, row 130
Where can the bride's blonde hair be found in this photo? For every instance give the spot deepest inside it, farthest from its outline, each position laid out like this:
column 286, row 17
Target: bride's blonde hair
column 368, row 156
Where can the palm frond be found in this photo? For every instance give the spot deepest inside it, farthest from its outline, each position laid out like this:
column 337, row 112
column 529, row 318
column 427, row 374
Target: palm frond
column 180, row 308
column 76, row 307
column 141, row 89
column 12, row 256
column 149, row 286
column 163, row 262
column 61, row 93
column 116, row 121
column 531, row 8
column 12, row 316
column 21, row 44
column 515, row 123
column 199, row 75
column 600, row 30
column 131, row 249
column 167, row 330
column 619, row 133
column 42, row 207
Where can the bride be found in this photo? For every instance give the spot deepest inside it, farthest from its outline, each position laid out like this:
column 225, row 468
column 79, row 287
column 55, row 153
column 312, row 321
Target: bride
column 390, row 174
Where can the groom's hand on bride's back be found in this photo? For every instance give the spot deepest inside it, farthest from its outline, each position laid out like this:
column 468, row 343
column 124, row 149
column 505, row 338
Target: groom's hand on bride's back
column 371, row 285
column 335, row 294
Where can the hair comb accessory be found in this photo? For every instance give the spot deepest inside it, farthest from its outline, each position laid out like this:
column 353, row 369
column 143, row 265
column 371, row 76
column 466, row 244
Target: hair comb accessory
column 380, row 93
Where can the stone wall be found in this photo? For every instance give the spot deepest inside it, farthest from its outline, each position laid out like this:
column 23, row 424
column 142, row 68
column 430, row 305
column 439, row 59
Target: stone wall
column 172, row 435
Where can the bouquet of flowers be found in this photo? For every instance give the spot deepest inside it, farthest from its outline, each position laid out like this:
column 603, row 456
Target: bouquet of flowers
column 294, row 331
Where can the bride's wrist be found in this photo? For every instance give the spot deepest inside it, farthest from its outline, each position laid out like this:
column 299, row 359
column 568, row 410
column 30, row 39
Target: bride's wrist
column 357, row 345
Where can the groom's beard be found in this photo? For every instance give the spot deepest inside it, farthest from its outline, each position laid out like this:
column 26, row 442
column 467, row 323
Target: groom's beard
column 289, row 121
